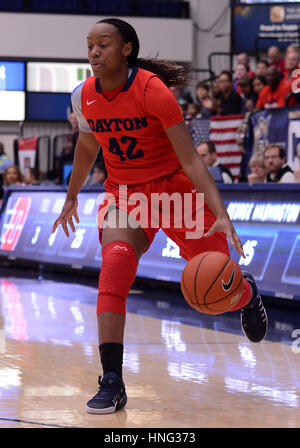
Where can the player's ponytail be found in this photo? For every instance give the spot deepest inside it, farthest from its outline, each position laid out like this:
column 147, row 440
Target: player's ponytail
column 171, row 73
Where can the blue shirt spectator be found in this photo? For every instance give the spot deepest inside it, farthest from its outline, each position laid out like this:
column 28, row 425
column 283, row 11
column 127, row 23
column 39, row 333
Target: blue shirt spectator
column 5, row 162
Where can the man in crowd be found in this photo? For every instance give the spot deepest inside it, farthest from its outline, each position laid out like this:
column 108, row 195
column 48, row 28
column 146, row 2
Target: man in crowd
column 220, row 173
column 275, row 58
column 262, row 67
column 274, row 94
column 292, row 62
column 243, row 58
column 228, row 102
column 297, row 172
column 240, row 73
column 248, row 95
column 276, row 166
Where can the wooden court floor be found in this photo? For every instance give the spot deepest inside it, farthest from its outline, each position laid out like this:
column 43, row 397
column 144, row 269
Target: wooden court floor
column 177, row 375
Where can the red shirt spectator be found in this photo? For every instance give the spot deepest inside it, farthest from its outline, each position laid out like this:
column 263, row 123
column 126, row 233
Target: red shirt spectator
column 279, row 64
column 275, row 92
column 292, row 62
column 269, row 99
column 276, row 59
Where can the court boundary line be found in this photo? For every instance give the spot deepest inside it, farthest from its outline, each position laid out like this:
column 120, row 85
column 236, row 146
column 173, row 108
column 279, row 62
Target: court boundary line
column 16, row 420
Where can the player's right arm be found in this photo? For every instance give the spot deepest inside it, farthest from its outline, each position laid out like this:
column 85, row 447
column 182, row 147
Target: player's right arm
column 86, row 151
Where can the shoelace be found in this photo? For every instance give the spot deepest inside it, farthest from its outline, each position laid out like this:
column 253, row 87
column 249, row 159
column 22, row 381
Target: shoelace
column 108, row 389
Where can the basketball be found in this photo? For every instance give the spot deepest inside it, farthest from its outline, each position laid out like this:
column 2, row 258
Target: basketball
column 212, row 282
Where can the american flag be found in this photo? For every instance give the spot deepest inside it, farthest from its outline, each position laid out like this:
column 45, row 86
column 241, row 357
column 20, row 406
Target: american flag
column 223, row 133
column 199, row 129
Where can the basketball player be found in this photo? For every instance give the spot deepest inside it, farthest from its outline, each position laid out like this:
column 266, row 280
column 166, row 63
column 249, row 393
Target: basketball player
column 128, row 107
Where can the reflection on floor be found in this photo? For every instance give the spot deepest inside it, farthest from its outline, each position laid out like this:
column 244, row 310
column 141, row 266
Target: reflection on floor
column 181, row 368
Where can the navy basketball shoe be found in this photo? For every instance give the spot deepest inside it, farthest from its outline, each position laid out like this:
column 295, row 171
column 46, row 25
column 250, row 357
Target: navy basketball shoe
column 110, row 397
column 254, row 318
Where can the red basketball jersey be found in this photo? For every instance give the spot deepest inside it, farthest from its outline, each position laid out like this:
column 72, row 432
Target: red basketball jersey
column 130, row 127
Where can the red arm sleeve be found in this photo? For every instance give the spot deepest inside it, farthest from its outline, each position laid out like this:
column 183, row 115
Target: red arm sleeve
column 161, row 103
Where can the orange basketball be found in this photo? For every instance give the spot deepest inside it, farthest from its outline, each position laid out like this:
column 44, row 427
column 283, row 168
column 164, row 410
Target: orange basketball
column 212, row 283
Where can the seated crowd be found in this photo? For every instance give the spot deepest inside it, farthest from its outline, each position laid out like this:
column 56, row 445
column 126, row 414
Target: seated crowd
column 269, row 86
column 271, row 166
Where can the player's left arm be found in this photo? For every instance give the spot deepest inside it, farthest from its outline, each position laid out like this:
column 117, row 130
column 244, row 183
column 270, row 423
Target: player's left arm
column 201, row 178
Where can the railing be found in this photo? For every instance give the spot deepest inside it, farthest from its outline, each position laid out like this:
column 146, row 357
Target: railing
column 218, row 61
column 203, row 75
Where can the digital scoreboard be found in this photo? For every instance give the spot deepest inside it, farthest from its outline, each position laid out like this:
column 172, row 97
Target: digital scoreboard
column 49, row 88
column 56, row 76
column 12, row 91
column 266, row 218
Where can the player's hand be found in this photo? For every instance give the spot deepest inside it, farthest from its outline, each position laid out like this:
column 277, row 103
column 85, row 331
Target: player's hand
column 68, row 212
column 223, row 224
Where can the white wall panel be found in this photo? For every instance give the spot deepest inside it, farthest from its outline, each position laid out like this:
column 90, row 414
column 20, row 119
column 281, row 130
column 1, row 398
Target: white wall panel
column 64, row 36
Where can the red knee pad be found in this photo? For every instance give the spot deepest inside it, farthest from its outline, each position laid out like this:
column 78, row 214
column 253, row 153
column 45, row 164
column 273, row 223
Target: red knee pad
column 118, row 271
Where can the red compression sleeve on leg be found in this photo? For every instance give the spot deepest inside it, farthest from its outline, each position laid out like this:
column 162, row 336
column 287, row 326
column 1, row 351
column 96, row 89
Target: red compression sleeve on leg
column 245, row 297
column 118, row 271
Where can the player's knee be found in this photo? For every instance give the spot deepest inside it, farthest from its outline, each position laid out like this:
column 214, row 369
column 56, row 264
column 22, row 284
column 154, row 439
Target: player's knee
column 118, row 271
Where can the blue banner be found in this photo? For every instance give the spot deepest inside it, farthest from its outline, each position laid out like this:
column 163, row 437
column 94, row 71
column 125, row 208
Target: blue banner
column 12, row 75
column 266, row 217
column 280, row 126
column 271, row 24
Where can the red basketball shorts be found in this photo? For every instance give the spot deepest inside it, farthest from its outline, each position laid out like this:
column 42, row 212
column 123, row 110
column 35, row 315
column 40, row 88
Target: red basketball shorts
column 170, row 203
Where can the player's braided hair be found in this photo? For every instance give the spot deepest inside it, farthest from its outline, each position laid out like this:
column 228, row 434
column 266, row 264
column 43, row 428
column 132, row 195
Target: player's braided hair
column 171, row 73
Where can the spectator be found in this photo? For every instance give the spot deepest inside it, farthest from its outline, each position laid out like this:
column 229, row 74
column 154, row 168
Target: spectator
column 262, row 67
column 276, row 166
column 31, row 177
column 259, row 82
column 297, row 172
column 240, row 72
column 192, row 111
column 73, row 122
column 258, row 172
column 73, row 133
column 67, row 153
column 274, row 94
column 248, row 95
column 292, row 62
column 293, row 48
column 204, row 100
column 12, row 176
column 243, row 58
column 215, row 88
column 228, row 101
column 5, row 161
column 276, row 59
column 98, row 175
column 220, row 173
column 183, row 95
